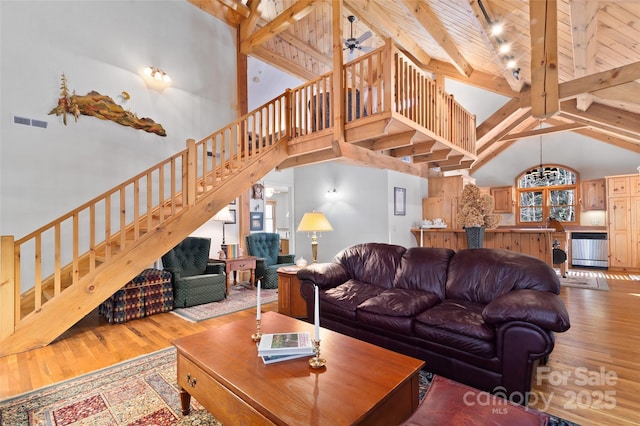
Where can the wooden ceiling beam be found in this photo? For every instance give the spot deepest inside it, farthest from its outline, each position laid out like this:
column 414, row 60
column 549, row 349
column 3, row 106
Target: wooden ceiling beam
column 232, row 16
column 601, row 136
column 237, row 6
column 606, row 118
column 477, row 78
column 438, row 155
column 463, row 165
column 248, row 25
column 282, row 64
column 505, row 129
column 472, row 8
column 366, row 157
column 280, row 23
column 382, row 24
column 306, row 159
column 394, row 141
column 453, row 160
column 584, row 24
column 543, row 18
column 600, row 80
column 544, row 131
column 624, row 93
column 431, row 24
column 415, row 149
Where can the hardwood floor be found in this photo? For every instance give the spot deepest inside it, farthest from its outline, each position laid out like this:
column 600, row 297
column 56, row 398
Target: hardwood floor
column 604, row 340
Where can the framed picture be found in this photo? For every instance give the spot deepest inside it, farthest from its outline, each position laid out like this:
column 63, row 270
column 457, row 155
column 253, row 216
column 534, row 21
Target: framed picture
column 255, row 222
column 399, row 201
column 233, row 215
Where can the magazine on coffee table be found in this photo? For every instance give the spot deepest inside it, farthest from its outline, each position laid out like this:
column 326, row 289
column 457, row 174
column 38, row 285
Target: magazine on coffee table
column 270, row 359
column 285, row 344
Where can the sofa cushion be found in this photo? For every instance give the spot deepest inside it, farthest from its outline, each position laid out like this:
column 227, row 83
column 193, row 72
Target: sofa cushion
column 454, row 341
column 346, row 297
column 424, row 268
column 373, row 263
column 458, row 316
column 398, row 302
column 481, row 275
column 401, row 325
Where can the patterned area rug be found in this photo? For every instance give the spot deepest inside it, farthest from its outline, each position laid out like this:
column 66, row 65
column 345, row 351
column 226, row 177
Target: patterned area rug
column 141, row 392
column 591, row 283
column 240, row 297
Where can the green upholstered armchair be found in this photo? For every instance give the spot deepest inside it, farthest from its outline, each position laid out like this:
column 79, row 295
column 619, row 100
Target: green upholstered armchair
column 266, row 247
column 195, row 279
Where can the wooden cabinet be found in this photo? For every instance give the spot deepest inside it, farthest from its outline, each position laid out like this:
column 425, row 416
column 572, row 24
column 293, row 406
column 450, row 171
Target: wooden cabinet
column 593, row 194
column 444, row 193
column 448, row 186
column 623, row 200
column 503, row 199
column 290, row 301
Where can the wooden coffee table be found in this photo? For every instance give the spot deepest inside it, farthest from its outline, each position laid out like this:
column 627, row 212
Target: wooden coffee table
column 361, row 384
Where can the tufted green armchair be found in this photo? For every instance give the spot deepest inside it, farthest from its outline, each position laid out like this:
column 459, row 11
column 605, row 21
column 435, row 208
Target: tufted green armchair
column 195, row 279
column 266, row 247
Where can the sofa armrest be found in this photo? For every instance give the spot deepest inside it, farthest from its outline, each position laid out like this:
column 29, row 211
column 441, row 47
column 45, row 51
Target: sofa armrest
column 324, row 275
column 286, row 258
column 215, row 268
column 542, row 308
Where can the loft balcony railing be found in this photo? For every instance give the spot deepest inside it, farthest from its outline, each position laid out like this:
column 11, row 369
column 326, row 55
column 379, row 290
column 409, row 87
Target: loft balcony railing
column 39, row 266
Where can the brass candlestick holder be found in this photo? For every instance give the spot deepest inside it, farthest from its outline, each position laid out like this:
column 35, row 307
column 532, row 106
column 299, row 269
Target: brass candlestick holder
column 316, row 361
column 258, row 334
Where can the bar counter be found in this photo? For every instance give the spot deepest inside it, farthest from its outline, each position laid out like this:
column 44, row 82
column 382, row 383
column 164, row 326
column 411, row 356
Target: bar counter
column 537, row 242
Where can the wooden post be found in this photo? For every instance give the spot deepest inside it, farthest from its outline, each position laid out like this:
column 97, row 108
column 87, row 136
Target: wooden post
column 190, row 190
column 544, row 58
column 9, row 295
column 337, row 79
column 388, row 76
column 288, row 116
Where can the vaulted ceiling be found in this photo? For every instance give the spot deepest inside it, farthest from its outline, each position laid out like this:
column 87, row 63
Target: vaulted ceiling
column 584, row 76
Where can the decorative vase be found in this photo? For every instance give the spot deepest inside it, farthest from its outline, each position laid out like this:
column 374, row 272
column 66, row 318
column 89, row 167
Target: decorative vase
column 475, row 236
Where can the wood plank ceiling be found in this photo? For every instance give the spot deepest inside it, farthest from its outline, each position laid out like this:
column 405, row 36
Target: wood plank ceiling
column 585, row 77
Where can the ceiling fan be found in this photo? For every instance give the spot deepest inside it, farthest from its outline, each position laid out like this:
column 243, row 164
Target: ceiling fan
column 353, row 43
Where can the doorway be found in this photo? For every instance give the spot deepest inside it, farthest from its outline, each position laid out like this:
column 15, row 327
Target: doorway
column 279, row 215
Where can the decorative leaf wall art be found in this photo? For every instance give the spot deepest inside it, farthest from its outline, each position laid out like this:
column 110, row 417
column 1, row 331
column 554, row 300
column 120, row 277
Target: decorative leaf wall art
column 102, row 107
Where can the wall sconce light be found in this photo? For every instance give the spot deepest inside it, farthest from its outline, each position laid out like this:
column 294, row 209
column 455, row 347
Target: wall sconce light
column 331, row 194
column 157, row 74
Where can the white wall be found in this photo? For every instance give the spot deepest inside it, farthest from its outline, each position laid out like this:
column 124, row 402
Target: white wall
column 102, row 46
column 362, row 210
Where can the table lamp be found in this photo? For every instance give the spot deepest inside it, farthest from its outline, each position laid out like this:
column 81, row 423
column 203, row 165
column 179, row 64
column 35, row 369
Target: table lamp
column 314, row 222
column 223, row 216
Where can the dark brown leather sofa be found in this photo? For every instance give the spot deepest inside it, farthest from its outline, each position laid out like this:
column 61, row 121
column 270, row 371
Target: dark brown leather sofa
column 483, row 317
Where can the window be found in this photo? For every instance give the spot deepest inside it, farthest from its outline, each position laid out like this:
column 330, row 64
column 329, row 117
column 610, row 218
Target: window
column 543, row 198
column 270, row 216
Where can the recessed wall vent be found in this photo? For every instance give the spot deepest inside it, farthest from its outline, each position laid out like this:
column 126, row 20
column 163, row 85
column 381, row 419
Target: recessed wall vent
column 29, row 122
column 21, row 120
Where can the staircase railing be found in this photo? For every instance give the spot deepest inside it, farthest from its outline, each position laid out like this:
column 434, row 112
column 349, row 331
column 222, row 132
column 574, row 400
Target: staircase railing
column 57, row 255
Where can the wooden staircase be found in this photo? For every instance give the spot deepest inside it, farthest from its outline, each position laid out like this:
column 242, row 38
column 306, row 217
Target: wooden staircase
column 139, row 221
column 391, row 111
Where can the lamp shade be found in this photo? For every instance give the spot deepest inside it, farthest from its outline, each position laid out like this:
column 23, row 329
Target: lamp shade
column 223, row 215
column 314, row 222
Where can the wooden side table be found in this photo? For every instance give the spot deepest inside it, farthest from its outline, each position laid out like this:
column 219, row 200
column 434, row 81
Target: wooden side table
column 239, row 264
column 290, row 301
